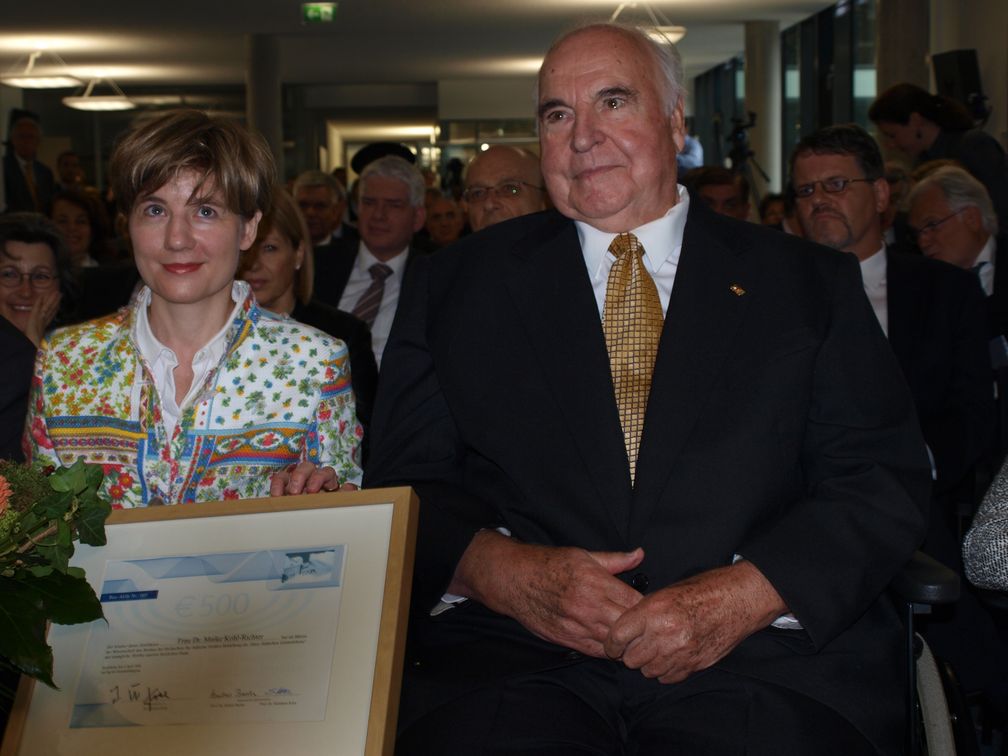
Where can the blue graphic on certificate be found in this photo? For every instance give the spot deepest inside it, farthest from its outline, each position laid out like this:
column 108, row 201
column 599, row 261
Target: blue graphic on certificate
column 223, row 637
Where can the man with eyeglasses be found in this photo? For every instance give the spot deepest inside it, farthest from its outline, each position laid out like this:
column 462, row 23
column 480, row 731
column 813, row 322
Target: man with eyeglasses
column 953, row 219
column 933, row 316
column 502, row 182
column 931, row 313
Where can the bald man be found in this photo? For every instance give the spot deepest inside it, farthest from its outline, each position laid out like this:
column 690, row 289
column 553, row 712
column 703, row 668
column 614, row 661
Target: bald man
column 503, row 182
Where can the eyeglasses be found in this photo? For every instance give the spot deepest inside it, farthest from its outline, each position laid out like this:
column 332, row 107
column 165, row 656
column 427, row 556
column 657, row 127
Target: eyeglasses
column 504, row 190
column 10, row 278
column 929, row 228
column 833, row 185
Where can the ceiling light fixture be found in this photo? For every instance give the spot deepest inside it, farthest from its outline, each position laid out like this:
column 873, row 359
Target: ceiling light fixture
column 89, row 101
column 28, row 79
column 661, row 30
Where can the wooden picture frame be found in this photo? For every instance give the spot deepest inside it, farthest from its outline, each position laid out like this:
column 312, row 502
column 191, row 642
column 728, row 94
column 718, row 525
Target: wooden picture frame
column 373, row 532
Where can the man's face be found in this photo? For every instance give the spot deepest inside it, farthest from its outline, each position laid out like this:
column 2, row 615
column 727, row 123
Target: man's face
column 725, row 199
column 321, row 212
column 25, row 136
column 496, row 170
column 387, row 220
column 847, row 220
column 956, row 238
column 444, row 221
column 608, row 145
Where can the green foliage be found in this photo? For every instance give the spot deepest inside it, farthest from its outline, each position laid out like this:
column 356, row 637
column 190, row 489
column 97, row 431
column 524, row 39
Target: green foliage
column 40, row 518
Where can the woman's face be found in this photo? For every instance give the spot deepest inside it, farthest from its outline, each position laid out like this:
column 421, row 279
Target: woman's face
column 905, row 137
column 75, row 225
column 186, row 243
column 271, row 270
column 27, row 272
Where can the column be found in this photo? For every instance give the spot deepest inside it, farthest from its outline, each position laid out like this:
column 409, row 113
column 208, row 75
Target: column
column 901, row 43
column 763, row 97
column 263, row 96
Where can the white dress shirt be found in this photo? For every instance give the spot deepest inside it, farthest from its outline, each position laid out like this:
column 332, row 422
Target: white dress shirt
column 873, row 277
column 986, row 273
column 162, row 361
column 662, row 242
column 358, row 282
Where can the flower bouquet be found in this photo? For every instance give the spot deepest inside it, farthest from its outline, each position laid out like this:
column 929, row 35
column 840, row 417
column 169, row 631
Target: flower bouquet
column 40, row 517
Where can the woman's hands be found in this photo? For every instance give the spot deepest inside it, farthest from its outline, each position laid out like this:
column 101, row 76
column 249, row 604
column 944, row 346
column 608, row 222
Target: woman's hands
column 306, row 478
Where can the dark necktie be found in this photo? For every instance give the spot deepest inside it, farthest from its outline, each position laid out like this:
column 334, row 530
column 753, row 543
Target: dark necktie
column 367, row 306
column 29, row 174
column 632, row 322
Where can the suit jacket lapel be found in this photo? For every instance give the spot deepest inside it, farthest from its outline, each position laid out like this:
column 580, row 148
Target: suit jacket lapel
column 556, row 306
column 713, row 286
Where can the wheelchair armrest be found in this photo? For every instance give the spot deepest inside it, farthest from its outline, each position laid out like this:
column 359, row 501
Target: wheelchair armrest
column 924, row 580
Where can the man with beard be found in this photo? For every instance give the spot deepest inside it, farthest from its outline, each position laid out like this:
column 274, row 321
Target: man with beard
column 934, row 317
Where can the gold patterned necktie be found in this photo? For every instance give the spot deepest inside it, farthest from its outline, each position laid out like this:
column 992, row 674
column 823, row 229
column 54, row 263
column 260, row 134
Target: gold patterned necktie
column 632, row 321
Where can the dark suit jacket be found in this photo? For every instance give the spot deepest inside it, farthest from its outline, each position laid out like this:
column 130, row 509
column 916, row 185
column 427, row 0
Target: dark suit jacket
column 938, row 331
column 333, row 264
column 355, row 333
column 17, row 355
column 778, row 428
column 16, row 188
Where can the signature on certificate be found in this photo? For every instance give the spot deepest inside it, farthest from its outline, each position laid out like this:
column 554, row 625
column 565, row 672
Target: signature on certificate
column 145, row 695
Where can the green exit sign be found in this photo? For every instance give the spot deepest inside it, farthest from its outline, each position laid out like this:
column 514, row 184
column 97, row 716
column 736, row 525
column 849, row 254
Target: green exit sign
column 318, row 13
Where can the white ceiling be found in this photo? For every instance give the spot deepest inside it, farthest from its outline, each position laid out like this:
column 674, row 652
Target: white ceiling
column 202, row 42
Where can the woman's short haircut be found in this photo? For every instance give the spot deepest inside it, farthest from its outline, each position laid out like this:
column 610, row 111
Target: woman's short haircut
column 235, row 160
column 394, row 167
column 285, row 218
column 33, row 228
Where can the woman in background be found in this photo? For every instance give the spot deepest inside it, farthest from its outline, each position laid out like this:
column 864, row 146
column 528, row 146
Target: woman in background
column 929, row 127
column 280, row 268
column 31, row 251
column 192, row 394
column 33, row 269
column 101, row 283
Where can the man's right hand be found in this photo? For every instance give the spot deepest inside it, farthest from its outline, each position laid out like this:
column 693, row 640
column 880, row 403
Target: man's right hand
column 567, row 596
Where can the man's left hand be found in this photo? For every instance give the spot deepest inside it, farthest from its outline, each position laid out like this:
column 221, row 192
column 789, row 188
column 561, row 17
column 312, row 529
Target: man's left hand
column 689, row 626
column 306, row 478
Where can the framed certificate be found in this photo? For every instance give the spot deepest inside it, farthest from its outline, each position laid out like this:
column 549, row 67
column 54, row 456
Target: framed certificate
column 242, row 627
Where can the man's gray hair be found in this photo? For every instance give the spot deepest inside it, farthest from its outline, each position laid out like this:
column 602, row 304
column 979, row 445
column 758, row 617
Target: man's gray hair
column 312, row 179
column 395, row 167
column 664, row 54
column 961, row 191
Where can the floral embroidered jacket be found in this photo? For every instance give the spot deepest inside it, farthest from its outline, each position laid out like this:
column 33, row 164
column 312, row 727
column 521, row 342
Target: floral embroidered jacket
column 280, row 395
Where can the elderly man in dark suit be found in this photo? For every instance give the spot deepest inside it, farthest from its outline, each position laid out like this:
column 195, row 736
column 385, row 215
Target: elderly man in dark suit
column 666, row 460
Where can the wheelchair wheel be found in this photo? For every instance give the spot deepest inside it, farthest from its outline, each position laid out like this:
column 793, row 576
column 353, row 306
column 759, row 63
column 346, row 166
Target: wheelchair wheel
column 934, row 724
